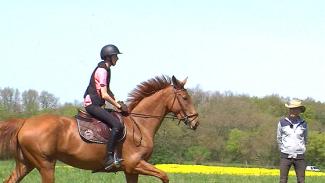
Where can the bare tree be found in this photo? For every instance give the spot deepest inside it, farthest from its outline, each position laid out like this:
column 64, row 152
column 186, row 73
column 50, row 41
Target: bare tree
column 48, row 100
column 7, row 98
column 17, row 102
column 30, row 101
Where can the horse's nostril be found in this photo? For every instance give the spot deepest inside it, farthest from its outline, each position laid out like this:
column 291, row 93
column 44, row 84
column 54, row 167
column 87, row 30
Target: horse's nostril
column 195, row 126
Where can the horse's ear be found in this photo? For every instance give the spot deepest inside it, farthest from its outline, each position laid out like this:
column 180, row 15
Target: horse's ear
column 177, row 85
column 184, row 82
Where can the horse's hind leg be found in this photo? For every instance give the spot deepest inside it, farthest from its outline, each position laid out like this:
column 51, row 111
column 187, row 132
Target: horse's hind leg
column 46, row 169
column 20, row 171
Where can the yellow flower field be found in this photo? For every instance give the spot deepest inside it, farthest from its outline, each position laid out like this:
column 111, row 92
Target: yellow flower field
column 176, row 168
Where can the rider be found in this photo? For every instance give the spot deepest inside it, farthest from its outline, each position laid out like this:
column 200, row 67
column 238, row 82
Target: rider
column 98, row 92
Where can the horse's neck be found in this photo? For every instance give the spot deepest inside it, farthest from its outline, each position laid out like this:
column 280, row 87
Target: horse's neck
column 153, row 106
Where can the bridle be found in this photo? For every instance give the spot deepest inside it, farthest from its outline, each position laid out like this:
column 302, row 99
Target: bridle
column 184, row 116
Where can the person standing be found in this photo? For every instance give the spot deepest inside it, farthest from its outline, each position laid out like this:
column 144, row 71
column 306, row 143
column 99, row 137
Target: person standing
column 292, row 140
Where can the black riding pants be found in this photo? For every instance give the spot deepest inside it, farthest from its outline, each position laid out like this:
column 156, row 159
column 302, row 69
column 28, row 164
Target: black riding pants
column 111, row 121
column 104, row 116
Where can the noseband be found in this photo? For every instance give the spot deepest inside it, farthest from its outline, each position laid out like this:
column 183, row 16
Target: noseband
column 186, row 118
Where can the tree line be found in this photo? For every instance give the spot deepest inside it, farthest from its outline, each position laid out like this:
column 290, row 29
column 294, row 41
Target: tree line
column 14, row 103
column 233, row 128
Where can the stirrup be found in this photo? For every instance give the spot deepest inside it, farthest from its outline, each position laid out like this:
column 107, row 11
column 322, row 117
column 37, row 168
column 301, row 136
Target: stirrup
column 116, row 162
column 108, row 167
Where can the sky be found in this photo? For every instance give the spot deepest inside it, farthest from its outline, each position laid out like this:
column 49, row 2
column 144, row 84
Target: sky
column 250, row 47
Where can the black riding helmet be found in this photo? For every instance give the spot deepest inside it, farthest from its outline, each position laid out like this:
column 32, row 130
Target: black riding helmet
column 109, row 50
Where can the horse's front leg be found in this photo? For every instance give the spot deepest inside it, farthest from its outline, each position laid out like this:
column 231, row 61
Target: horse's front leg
column 146, row 168
column 131, row 178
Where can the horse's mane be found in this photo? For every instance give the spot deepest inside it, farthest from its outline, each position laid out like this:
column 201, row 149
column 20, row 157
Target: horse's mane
column 147, row 88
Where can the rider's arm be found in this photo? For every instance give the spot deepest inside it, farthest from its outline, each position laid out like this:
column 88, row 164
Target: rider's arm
column 105, row 96
column 100, row 76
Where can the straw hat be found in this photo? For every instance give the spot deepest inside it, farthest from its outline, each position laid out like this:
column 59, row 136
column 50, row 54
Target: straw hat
column 295, row 103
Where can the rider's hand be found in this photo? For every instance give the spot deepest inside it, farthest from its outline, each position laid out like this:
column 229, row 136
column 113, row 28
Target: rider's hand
column 124, row 108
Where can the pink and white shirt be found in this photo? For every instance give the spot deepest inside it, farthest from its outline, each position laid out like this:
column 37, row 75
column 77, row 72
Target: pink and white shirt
column 100, row 81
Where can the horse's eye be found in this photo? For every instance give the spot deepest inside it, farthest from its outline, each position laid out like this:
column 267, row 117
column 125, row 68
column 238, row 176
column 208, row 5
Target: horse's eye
column 184, row 97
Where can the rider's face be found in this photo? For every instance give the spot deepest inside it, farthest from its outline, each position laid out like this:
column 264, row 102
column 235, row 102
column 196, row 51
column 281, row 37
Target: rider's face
column 114, row 59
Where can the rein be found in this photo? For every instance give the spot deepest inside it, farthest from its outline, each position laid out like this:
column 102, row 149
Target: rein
column 168, row 116
column 145, row 116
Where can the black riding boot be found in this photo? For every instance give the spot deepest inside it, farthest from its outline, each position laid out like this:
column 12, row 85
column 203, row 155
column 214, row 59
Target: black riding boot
column 110, row 160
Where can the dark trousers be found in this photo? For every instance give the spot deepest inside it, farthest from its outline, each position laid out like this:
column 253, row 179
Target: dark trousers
column 299, row 165
column 111, row 121
column 104, row 116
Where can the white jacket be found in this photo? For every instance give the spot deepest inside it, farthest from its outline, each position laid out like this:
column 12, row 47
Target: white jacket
column 292, row 137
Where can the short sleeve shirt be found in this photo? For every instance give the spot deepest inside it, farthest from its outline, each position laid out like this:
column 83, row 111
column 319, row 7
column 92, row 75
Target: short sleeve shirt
column 100, row 81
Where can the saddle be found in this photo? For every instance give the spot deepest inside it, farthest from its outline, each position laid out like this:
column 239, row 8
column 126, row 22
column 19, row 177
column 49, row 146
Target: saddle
column 93, row 130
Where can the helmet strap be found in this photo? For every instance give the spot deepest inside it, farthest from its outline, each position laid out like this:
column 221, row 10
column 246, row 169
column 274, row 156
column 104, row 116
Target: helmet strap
column 109, row 60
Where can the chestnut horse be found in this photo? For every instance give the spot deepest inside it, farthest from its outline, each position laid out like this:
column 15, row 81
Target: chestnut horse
column 38, row 142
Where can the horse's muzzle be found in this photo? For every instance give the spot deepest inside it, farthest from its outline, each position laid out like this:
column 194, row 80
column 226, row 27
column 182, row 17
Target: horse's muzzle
column 195, row 125
column 193, row 121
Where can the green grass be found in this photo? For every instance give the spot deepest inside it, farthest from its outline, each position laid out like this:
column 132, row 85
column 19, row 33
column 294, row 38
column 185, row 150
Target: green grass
column 73, row 175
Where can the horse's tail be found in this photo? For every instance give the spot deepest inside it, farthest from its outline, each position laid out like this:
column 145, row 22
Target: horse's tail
column 8, row 138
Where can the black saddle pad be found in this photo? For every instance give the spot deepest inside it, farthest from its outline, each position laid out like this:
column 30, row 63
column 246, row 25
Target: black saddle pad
column 93, row 130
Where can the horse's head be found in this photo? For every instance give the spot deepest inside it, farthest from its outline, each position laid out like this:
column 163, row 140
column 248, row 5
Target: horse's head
column 177, row 100
column 181, row 104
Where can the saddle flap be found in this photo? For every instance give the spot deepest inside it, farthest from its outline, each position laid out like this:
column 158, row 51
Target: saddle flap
column 93, row 130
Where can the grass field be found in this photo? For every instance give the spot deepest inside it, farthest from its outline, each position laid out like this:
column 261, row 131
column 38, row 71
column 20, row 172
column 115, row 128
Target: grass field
column 66, row 174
